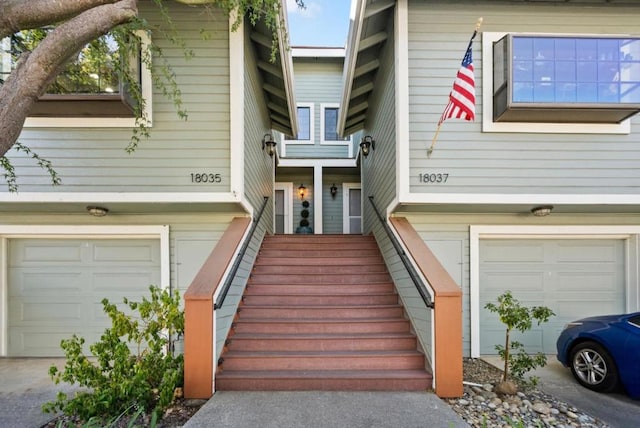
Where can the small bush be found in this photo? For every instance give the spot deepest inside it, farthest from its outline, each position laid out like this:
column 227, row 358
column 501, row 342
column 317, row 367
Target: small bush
column 517, row 362
column 117, row 379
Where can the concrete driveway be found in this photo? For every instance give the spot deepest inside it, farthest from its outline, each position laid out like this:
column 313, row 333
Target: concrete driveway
column 25, row 386
column 616, row 409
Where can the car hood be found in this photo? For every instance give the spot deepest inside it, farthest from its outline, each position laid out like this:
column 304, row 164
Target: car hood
column 605, row 319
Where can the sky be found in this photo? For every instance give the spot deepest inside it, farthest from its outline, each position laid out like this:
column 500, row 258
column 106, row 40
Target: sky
column 322, row 23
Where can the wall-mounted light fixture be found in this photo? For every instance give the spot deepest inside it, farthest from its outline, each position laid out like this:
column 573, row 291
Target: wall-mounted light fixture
column 269, row 143
column 366, row 144
column 97, row 211
column 302, row 191
column 333, row 190
column 542, row 210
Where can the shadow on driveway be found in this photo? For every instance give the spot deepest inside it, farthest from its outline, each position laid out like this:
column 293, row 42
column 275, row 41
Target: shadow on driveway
column 616, row 409
column 25, row 386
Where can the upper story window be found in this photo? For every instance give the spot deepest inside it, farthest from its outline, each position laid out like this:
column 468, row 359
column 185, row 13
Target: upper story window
column 329, row 125
column 565, row 79
column 305, row 125
column 88, row 92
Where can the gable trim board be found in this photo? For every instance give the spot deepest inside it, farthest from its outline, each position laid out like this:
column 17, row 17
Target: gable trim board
column 236, row 107
column 7, row 232
column 403, row 137
column 530, row 200
column 628, row 234
column 111, row 197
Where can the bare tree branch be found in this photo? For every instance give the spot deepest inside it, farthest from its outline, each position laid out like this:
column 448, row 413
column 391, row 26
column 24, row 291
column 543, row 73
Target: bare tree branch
column 35, row 71
column 16, row 15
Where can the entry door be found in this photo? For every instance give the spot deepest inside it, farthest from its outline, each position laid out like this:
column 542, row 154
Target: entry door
column 352, row 208
column 283, row 206
column 279, row 211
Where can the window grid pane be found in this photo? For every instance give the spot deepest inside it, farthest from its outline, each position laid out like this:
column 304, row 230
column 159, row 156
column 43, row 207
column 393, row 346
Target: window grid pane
column 575, row 70
column 331, row 124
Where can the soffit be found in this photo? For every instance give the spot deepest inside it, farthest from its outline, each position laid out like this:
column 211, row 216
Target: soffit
column 368, row 32
column 276, row 74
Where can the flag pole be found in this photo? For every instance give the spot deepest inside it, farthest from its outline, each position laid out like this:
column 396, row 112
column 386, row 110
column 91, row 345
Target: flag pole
column 435, row 136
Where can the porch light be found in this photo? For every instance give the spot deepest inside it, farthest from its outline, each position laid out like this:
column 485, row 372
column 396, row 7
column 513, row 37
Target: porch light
column 97, row 211
column 366, row 144
column 301, row 191
column 542, row 210
column 269, row 143
column 333, row 190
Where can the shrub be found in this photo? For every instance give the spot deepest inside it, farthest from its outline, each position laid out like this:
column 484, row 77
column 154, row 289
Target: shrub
column 517, row 362
column 132, row 368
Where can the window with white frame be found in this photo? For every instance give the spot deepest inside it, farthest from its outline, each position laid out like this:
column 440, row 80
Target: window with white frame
column 329, row 124
column 88, row 91
column 559, row 83
column 305, row 125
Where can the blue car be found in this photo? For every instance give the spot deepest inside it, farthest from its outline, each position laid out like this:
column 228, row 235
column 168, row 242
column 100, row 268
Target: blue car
column 603, row 352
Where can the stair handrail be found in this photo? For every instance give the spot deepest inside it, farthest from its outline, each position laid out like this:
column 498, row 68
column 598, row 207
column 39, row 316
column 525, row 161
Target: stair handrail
column 417, row 281
column 236, row 264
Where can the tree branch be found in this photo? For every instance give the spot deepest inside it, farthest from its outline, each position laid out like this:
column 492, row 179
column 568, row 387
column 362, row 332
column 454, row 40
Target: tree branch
column 35, row 71
column 19, row 15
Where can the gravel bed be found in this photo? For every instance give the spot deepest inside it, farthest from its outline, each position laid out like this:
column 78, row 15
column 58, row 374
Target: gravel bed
column 482, row 407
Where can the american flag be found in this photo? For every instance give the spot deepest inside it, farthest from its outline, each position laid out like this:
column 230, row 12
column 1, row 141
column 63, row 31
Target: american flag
column 462, row 99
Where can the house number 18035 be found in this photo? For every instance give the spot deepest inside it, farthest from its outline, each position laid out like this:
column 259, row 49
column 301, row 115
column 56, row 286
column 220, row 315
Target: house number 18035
column 206, row 178
column 434, row 178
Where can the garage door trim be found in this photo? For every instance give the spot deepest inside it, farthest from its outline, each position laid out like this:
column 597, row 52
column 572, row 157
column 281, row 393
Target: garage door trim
column 628, row 233
column 74, row 232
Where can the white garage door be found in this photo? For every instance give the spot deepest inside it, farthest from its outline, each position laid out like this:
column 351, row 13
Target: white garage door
column 574, row 277
column 55, row 287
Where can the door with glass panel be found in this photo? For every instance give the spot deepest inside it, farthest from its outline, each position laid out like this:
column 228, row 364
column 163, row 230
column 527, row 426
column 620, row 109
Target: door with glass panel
column 352, row 208
column 282, row 207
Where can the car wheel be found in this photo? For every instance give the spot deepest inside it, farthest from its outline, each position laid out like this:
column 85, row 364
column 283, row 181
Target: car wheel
column 593, row 367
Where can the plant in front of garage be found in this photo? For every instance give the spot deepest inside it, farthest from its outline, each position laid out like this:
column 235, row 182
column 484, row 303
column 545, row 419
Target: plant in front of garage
column 517, row 362
column 130, row 368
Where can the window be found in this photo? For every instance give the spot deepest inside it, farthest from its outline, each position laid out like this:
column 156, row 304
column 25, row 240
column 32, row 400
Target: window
column 305, row 125
column 329, row 125
column 565, row 79
column 88, row 91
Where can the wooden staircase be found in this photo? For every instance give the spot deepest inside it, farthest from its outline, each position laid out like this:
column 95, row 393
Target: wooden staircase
column 320, row 313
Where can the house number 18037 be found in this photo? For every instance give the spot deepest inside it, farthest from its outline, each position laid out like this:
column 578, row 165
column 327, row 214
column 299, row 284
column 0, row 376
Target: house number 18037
column 434, row 178
column 206, row 178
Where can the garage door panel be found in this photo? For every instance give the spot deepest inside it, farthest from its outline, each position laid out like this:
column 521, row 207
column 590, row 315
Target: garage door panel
column 501, row 252
column 123, row 254
column 47, row 284
column 588, row 251
column 38, row 343
column 525, row 281
column 53, row 298
column 118, row 283
column 578, row 278
column 53, row 251
column 585, row 282
column 51, row 312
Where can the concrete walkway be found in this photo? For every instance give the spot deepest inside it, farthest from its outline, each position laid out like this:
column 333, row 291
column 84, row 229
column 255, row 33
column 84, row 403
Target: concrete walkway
column 325, row 410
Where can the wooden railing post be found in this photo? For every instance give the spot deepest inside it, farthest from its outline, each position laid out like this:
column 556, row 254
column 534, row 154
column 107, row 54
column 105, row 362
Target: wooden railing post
column 447, row 317
column 199, row 325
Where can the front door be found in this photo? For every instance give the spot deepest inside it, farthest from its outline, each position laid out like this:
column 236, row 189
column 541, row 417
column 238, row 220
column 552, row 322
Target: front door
column 352, row 208
column 282, row 208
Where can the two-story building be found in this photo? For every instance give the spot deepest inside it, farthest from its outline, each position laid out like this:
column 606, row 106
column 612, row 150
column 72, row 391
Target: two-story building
column 120, row 222
column 538, row 195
